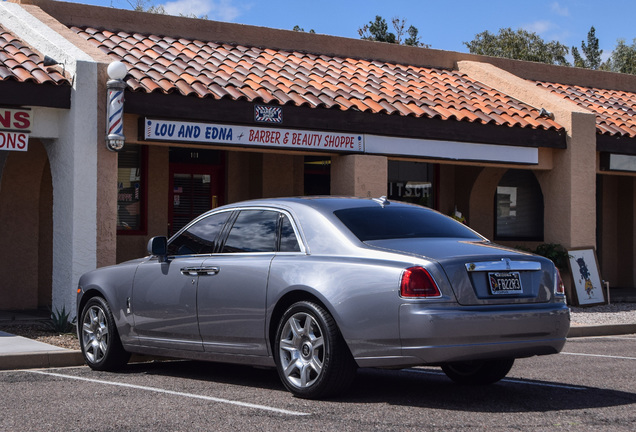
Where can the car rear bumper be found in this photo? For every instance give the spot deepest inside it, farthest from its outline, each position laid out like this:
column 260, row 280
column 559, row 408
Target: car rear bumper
column 434, row 335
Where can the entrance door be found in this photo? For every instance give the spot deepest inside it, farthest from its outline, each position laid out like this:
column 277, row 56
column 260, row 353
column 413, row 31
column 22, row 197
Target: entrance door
column 194, row 189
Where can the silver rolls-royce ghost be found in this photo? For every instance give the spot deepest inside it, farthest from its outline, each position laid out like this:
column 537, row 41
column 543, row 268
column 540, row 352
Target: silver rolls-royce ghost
column 319, row 286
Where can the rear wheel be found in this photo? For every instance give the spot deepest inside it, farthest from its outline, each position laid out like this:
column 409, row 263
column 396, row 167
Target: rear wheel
column 99, row 339
column 478, row 372
column 312, row 358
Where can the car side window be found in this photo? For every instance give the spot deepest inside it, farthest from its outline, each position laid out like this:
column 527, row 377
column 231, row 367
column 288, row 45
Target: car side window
column 253, row 231
column 199, row 238
column 288, row 240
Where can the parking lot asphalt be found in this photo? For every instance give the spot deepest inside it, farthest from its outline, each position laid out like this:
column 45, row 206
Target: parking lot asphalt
column 17, row 352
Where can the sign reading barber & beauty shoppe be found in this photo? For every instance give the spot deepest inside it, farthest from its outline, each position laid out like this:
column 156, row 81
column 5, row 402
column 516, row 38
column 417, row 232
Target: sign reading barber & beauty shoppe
column 179, row 131
column 15, row 125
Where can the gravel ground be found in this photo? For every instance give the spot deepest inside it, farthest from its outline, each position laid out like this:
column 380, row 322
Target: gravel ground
column 615, row 313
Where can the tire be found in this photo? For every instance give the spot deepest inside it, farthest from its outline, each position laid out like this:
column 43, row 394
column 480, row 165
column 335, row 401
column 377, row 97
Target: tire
column 99, row 340
column 478, row 372
column 312, row 358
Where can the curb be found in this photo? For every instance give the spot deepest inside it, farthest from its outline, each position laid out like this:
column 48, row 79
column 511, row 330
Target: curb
column 601, row 330
column 46, row 359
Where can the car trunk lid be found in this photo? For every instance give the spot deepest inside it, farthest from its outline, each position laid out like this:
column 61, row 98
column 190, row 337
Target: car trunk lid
column 483, row 273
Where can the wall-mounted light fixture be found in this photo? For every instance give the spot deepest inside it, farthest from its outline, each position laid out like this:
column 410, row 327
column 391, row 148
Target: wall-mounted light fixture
column 115, row 110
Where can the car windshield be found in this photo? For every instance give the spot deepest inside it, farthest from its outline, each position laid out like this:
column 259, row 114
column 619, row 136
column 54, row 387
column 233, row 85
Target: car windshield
column 381, row 223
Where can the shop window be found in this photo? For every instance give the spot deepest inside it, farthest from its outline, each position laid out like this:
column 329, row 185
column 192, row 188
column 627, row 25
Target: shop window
column 519, row 207
column 411, row 182
column 130, row 190
column 317, row 175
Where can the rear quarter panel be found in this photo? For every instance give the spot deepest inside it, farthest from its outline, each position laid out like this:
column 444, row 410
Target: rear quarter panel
column 361, row 294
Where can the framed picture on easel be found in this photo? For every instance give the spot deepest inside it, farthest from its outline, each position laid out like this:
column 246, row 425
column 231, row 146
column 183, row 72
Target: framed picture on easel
column 588, row 287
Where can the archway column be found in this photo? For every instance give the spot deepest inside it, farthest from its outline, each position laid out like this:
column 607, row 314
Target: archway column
column 359, row 175
column 569, row 188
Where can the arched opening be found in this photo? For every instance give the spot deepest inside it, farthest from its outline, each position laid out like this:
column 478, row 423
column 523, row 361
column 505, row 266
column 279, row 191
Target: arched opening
column 518, row 207
column 26, row 229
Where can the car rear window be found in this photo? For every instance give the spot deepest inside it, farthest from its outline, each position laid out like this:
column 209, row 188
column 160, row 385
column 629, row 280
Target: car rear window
column 380, row 223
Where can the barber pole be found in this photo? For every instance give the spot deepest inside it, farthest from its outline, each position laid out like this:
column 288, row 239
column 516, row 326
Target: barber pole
column 115, row 112
column 115, row 109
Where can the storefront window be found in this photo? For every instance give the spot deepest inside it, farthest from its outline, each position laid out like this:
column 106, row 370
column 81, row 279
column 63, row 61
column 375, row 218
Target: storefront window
column 519, row 207
column 411, row 182
column 317, row 175
column 130, row 189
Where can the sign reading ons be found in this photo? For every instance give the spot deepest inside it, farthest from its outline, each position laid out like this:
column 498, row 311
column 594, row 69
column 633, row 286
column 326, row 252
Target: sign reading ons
column 15, row 125
column 167, row 130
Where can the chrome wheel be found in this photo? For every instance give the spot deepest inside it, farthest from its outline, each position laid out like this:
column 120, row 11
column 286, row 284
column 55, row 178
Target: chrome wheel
column 302, row 350
column 312, row 358
column 99, row 340
column 95, row 336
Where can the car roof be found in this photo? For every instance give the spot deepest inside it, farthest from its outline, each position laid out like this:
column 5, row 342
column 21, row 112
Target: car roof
column 324, row 204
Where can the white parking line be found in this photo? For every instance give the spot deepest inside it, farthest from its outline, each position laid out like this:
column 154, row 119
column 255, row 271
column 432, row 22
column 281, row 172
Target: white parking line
column 510, row 380
column 175, row 393
column 600, row 355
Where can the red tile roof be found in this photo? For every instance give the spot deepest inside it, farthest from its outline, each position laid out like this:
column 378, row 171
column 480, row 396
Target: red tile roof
column 218, row 70
column 615, row 110
column 18, row 62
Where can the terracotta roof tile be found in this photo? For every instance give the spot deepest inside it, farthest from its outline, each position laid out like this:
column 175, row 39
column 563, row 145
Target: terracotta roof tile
column 221, row 70
column 20, row 63
column 615, row 110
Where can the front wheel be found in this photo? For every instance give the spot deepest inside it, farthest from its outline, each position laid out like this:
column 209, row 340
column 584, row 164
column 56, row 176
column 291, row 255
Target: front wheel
column 99, row 339
column 478, row 372
column 312, row 358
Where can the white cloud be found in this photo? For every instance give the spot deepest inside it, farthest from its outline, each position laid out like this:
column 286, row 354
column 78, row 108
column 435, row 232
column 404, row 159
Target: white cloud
column 539, row 27
column 219, row 10
column 559, row 10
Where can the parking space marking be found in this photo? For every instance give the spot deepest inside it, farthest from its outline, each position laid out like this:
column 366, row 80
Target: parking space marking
column 511, row 380
column 175, row 393
column 600, row 355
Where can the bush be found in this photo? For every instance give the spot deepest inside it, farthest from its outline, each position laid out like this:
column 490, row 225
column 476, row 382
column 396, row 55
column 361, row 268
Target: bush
column 60, row 321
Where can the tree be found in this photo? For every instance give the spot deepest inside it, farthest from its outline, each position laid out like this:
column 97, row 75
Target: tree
column 378, row 31
column 622, row 59
column 298, row 28
column 591, row 52
column 520, row 45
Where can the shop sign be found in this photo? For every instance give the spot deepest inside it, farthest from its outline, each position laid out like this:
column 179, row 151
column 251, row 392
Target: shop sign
column 208, row 133
column 15, row 125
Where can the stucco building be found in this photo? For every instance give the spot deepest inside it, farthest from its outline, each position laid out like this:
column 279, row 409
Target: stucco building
column 216, row 113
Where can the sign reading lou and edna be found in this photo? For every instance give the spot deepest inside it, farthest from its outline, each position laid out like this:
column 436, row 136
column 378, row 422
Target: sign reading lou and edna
column 193, row 132
column 15, row 126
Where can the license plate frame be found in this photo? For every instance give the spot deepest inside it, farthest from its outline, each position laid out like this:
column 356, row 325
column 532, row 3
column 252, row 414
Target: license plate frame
column 505, row 283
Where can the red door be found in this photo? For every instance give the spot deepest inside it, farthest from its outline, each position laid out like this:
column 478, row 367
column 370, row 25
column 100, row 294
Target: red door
column 194, row 189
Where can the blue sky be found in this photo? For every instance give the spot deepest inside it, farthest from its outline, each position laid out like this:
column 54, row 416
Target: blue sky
column 442, row 24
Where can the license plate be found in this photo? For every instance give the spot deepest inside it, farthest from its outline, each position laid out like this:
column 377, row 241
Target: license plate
column 505, row 283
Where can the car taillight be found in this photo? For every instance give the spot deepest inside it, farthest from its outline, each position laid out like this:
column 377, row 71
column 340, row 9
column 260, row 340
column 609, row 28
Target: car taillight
column 417, row 282
column 560, row 288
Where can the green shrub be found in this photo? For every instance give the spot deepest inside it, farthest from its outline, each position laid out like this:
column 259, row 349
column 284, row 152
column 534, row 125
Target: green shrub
column 60, row 321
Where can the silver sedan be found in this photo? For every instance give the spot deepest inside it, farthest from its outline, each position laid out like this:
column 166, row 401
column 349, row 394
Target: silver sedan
column 319, row 286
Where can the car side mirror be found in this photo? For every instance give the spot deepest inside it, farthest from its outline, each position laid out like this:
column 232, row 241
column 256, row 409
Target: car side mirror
column 158, row 246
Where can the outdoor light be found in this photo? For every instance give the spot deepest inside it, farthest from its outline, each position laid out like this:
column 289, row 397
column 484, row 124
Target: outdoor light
column 115, row 109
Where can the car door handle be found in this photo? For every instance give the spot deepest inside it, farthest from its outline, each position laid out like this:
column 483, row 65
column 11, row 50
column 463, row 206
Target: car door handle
column 200, row 271
column 208, row 270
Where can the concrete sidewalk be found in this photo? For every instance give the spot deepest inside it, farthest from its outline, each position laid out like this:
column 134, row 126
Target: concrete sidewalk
column 17, row 352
